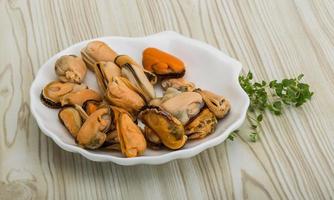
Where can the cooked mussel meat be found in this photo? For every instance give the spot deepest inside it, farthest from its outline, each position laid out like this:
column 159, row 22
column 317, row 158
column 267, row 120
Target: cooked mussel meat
column 121, row 94
column 71, row 119
column 70, row 68
column 97, row 51
column 80, row 97
column 184, row 106
column 104, row 71
column 180, row 84
column 112, row 137
column 201, row 125
column 92, row 134
column 137, row 77
column 118, row 110
column 131, row 138
column 124, row 59
column 219, row 105
column 169, row 129
column 53, row 92
column 151, row 136
column 91, row 106
column 168, row 94
column 163, row 64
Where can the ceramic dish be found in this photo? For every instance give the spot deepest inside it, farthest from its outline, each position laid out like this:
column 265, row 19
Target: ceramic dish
column 206, row 66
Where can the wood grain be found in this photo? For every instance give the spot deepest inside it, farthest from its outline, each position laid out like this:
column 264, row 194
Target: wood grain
column 294, row 158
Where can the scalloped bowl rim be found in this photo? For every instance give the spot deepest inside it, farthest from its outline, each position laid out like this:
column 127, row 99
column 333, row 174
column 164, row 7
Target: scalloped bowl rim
column 160, row 159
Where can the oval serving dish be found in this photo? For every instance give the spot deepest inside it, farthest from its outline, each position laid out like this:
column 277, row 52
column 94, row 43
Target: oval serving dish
column 206, row 66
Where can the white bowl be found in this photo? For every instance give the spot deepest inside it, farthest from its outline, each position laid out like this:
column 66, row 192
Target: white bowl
column 206, row 66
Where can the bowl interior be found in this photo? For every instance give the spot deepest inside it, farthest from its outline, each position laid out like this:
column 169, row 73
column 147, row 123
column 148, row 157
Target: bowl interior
column 204, row 68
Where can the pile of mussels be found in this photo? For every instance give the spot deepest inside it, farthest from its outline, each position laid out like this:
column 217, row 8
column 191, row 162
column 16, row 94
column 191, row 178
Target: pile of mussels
column 108, row 119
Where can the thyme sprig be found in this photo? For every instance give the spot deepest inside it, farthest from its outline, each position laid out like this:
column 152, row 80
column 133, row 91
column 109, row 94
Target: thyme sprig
column 274, row 96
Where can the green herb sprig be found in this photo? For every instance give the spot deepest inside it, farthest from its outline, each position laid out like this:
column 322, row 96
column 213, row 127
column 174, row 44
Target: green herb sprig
column 273, row 97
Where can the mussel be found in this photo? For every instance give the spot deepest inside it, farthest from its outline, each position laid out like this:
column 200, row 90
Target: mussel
column 180, row 84
column 169, row 129
column 112, row 138
column 92, row 134
column 168, row 94
column 184, row 106
column 91, row 106
column 125, row 59
column 219, row 105
column 151, row 136
column 97, row 51
column 201, row 125
column 131, row 139
column 137, row 77
column 70, row 68
column 119, row 91
column 120, row 94
column 53, row 92
column 80, row 97
column 71, row 119
column 118, row 110
column 104, row 72
column 164, row 65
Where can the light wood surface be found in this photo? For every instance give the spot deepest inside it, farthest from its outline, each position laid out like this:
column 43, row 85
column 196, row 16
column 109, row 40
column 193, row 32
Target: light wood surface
column 294, row 158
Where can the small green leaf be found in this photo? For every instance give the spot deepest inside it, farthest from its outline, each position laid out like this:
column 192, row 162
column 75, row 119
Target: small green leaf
column 273, row 97
column 257, row 85
column 277, row 104
column 272, row 83
column 300, row 77
column 232, row 135
column 277, row 112
column 299, row 104
column 254, row 126
column 253, row 137
column 250, row 75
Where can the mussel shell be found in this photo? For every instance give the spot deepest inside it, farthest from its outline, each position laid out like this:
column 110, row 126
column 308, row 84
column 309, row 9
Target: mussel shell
column 151, row 77
column 48, row 102
column 171, row 75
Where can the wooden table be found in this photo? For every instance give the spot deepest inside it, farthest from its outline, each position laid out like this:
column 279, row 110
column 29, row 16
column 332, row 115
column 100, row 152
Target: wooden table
column 294, row 158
